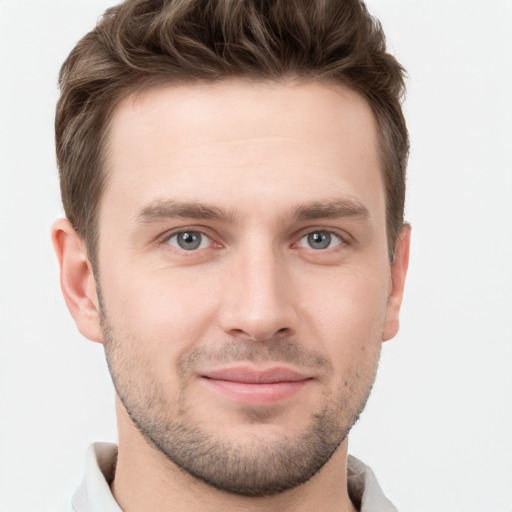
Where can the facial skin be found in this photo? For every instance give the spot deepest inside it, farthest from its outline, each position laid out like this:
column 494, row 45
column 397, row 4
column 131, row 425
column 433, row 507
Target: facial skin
column 244, row 286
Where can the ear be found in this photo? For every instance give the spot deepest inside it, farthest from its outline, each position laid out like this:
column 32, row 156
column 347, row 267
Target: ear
column 398, row 273
column 77, row 279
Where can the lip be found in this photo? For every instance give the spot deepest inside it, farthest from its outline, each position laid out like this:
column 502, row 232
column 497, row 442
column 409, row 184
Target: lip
column 252, row 386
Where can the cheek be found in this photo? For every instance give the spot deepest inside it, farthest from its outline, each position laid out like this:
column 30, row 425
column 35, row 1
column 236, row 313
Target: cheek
column 166, row 312
column 348, row 316
column 353, row 340
column 153, row 321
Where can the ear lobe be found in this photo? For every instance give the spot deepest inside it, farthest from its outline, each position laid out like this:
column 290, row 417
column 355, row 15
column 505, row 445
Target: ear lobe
column 398, row 274
column 77, row 280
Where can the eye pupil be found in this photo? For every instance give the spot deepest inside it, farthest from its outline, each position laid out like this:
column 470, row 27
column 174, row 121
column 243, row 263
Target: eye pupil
column 189, row 240
column 319, row 240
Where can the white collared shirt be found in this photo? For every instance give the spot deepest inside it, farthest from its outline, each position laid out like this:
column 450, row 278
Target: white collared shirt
column 94, row 495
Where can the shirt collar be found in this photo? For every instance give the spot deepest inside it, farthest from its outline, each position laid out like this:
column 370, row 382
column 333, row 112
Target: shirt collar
column 94, row 493
column 364, row 490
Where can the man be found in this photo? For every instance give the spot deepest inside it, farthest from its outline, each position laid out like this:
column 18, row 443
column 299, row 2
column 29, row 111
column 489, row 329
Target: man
column 233, row 175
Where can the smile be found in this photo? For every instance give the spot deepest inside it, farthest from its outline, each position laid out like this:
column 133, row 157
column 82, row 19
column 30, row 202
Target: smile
column 256, row 387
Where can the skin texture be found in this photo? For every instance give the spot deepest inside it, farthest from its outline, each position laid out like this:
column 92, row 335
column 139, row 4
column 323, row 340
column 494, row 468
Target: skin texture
column 280, row 186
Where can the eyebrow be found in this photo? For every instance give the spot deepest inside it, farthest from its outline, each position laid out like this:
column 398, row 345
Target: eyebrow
column 164, row 209
column 334, row 209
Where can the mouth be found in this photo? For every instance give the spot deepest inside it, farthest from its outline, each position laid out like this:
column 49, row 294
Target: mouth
column 252, row 386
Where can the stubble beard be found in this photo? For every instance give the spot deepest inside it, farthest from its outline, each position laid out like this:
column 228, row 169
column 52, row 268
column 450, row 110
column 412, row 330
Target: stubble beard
column 263, row 467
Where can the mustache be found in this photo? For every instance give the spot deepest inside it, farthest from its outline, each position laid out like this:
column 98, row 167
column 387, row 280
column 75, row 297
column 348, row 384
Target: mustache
column 279, row 350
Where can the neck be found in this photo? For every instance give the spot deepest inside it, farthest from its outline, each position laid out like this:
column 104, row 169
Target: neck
column 147, row 481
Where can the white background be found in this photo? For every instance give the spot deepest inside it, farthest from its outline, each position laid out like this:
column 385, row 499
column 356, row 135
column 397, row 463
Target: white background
column 437, row 430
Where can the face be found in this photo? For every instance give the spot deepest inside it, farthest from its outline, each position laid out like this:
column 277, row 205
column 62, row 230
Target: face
column 244, row 276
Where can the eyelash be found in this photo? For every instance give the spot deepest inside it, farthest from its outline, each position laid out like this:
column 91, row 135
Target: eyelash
column 325, row 233
column 165, row 240
column 204, row 238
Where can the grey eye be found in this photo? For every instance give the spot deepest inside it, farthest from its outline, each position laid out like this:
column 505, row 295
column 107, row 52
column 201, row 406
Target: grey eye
column 189, row 240
column 319, row 240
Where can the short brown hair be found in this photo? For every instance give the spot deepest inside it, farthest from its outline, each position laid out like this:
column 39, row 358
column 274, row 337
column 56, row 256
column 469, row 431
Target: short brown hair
column 141, row 44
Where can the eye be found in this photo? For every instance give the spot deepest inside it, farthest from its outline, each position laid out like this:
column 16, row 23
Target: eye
column 189, row 240
column 320, row 240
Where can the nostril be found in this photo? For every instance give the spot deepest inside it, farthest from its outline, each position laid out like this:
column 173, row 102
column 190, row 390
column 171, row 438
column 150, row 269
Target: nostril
column 255, row 335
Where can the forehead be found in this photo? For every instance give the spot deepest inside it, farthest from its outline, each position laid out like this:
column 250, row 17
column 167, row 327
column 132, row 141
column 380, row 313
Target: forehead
column 236, row 141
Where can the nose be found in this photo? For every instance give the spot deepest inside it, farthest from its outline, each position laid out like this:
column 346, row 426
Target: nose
column 258, row 300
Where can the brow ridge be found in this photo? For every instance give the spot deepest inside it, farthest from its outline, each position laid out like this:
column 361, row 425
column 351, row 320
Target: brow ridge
column 169, row 208
column 163, row 209
column 332, row 209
